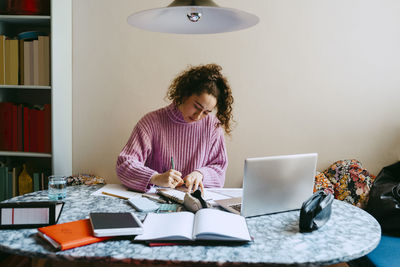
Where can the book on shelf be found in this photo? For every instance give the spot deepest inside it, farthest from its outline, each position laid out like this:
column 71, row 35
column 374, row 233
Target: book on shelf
column 15, row 172
column 28, row 62
column 36, row 181
column 21, row 65
column 40, row 130
column 6, row 126
column 10, row 184
column 9, row 180
column 20, row 129
column 69, row 235
column 47, row 128
column 2, row 58
column 34, row 130
column 14, row 125
column 6, row 183
column 11, row 190
column 35, row 62
column 3, row 183
column 44, row 60
column 24, row 128
column 3, row 123
column 11, row 62
column 29, row 214
column 205, row 225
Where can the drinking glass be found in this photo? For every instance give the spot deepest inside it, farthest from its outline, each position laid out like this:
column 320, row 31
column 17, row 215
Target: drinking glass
column 57, row 187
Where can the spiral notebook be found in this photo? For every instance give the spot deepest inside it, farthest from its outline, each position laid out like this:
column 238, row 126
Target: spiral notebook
column 172, row 194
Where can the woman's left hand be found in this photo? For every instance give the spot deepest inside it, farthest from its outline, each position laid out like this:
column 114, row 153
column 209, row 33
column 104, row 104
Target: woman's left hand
column 194, row 180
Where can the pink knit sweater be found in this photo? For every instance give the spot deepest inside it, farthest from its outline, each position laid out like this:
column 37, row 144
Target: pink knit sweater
column 163, row 134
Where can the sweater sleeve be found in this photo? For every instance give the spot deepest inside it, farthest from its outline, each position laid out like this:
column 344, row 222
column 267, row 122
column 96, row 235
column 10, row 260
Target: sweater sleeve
column 214, row 171
column 131, row 168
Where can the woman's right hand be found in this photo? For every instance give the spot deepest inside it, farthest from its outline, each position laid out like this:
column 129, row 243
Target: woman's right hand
column 171, row 178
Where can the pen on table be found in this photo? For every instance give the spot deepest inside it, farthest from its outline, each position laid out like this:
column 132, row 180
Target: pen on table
column 109, row 194
column 158, row 199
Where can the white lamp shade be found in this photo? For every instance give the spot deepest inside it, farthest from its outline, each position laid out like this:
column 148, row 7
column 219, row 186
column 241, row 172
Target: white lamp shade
column 174, row 19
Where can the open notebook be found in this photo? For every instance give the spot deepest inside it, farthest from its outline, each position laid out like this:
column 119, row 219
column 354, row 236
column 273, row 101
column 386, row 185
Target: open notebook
column 206, row 224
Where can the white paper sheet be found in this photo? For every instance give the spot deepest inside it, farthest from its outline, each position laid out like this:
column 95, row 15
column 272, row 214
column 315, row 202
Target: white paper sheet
column 116, row 190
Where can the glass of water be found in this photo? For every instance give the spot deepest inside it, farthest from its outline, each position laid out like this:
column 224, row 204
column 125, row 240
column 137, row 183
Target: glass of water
column 57, row 187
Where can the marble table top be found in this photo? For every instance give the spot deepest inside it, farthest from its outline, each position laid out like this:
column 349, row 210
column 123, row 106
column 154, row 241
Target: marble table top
column 349, row 234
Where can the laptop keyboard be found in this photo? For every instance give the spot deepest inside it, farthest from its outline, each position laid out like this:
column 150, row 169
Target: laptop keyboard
column 236, row 207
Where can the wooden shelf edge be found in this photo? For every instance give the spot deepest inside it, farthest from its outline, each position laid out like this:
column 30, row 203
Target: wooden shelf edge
column 4, row 17
column 25, row 87
column 24, row 154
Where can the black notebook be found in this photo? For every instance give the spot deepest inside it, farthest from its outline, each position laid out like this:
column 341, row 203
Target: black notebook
column 115, row 224
column 29, row 214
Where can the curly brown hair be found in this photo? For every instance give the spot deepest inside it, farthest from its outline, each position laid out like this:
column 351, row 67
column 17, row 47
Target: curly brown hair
column 204, row 79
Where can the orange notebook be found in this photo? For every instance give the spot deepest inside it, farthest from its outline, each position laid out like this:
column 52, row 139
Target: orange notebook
column 69, row 235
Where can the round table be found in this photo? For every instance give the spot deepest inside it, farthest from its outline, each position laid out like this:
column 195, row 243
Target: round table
column 349, row 234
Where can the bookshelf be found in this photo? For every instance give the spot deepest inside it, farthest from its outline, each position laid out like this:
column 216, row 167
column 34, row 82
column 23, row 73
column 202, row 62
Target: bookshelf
column 57, row 94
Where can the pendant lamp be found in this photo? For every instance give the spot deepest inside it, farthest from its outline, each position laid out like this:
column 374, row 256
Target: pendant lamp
column 192, row 17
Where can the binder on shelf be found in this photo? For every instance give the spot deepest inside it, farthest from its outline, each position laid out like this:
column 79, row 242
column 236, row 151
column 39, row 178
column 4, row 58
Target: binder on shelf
column 29, row 214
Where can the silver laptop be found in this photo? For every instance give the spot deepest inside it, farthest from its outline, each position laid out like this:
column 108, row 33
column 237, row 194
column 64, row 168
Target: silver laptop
column 274, row 184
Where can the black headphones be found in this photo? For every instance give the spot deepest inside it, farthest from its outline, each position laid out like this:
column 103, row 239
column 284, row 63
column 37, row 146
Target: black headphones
column 197, row 194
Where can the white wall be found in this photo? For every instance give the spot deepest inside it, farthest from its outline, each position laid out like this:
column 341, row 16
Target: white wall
column 312, row 76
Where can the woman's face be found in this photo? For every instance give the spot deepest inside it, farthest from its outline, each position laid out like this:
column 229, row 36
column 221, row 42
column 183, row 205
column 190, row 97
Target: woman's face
column 197, row 107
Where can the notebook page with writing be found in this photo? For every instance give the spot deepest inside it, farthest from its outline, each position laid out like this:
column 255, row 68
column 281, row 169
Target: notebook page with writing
column 167, row 226
column 212, row 224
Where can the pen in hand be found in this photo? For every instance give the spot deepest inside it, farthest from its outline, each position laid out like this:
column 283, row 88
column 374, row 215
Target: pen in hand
column 173, row 166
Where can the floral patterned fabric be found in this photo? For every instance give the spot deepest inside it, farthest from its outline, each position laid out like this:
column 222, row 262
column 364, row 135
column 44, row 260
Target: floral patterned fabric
column 86, row 179
column 322, row 183
column 349, row 181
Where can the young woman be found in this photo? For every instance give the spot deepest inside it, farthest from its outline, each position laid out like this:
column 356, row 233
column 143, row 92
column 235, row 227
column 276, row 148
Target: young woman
column 183, row 143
